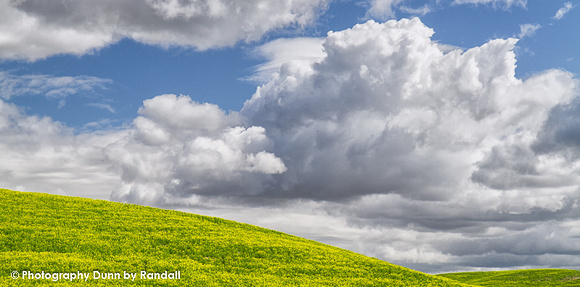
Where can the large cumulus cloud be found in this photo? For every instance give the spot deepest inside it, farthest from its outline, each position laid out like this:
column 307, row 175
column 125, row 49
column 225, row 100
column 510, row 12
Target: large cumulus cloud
column 387, row 111
column 179, row 148
column 33, row 29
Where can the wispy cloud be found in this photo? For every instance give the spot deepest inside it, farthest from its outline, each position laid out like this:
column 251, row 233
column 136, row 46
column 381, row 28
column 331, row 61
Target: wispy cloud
column 422, row 11
column 527, row 30
column 382, row 9
column 563, row 10
column 51, row 87
column 102, row 106
column 494, row 3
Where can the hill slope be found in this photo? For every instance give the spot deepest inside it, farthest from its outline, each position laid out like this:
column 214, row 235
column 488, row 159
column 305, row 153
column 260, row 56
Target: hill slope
column 59, row 234
column 532, row 277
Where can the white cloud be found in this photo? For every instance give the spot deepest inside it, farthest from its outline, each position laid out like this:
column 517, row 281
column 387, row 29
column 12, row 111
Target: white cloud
column 51, row 87
column 285, row 52
column 179, row 148
column 33, row 29
column 388, row 112
column 494, row 3
column 422, row 11
column 382, row 9
column 563, row 11
column 527, row 30
column 385, row 9
column 41, row 155
column 102, row 106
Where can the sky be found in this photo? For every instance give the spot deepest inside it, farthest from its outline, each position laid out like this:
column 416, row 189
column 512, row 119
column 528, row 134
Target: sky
column 437, row 135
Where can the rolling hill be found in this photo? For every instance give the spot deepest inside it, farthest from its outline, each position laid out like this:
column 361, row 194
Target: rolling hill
column 68, row 241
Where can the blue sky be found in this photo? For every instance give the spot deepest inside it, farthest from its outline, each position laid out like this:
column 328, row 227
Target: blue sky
column 438, row 135
column 138, row 71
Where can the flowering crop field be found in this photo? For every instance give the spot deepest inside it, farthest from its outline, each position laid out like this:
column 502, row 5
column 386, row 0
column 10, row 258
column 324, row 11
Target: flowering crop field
column 516, row 278
column 51, row 240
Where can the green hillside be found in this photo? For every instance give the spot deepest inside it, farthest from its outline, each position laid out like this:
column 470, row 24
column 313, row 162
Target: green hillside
column 533, row 277
column 69, row 236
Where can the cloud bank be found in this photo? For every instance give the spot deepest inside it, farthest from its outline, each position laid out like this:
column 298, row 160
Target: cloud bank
column 35, row 29
column 385, row 144
column 39, row 154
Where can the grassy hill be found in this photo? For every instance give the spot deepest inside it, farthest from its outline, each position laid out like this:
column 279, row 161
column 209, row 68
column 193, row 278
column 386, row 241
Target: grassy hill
column 59, row 234
column 533, row 277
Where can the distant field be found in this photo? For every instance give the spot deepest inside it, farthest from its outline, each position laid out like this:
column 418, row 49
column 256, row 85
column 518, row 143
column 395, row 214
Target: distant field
column 64, row 235
column 535, row 277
